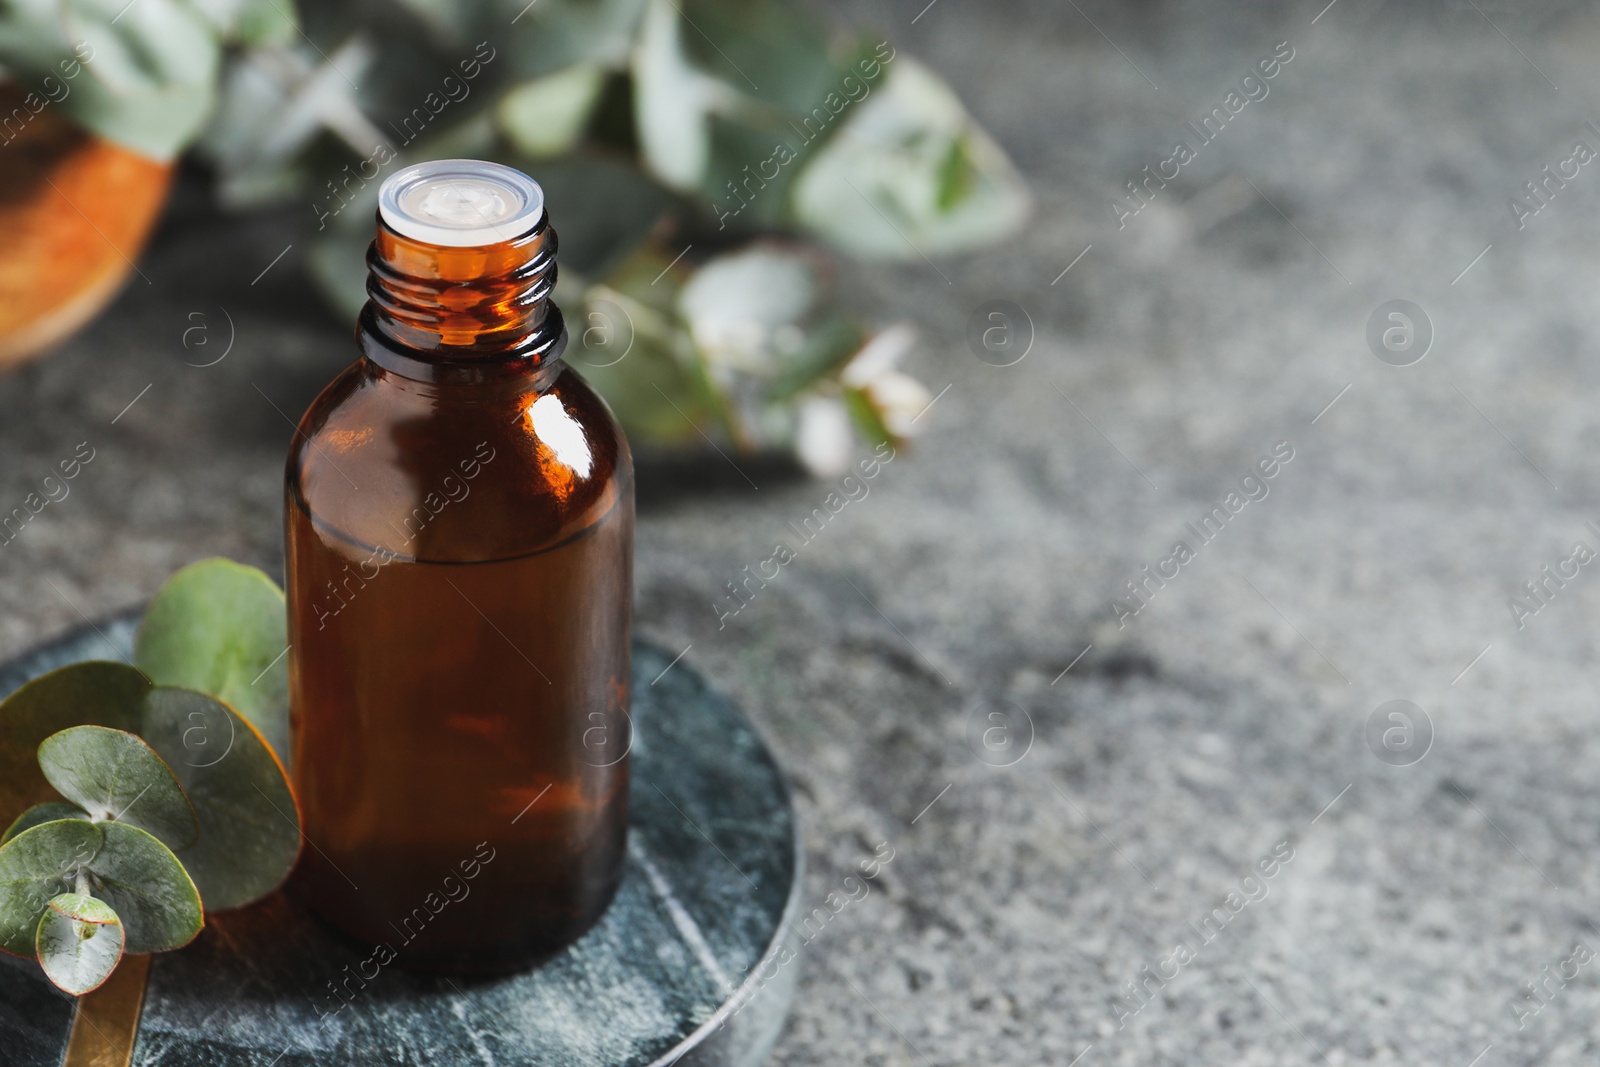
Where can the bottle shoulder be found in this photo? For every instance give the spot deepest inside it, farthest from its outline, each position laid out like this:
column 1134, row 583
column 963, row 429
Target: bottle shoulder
column 459, row 472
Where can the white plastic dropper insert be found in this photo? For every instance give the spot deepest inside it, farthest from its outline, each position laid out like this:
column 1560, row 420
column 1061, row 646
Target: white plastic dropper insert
column 461, row 203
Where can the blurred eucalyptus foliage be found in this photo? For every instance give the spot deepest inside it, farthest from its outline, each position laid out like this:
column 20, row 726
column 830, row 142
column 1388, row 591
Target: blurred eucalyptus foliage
column 154, row 66
column 703, row 157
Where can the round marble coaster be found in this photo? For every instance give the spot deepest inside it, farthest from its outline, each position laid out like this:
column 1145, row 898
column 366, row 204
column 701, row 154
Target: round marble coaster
column 693, row 964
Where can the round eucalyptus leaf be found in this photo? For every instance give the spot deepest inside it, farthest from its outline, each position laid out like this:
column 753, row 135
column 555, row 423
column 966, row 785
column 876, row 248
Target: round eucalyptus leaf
column 546, row 116
column 742, row 307
column 910, row 174
column 149, row 889
column 249, row 823
column 776, row 52
column 262, row 22
column 672, row 101
column 608, row 209
column 147, row 71
column 221, row 627
column 35, row 866
column 49, row 811
column 551, row 36
column 79, row 942
column 115, row 776
column 336, row 260
column 633, row 389
column 96, row 693
column 84, row 908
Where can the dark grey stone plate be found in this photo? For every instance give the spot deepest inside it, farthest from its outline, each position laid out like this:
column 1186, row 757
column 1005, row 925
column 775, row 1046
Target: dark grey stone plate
column 692, row 964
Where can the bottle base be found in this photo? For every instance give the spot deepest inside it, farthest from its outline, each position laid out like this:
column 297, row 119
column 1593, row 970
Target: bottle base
column 456, row 957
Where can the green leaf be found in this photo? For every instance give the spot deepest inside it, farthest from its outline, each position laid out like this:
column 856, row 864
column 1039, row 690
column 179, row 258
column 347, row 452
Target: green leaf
column 36, row 865
column 149, row 889
column 143, row 76
column 749, row 172
column 546, row 116
column 249, row 824
column 220, row 627
column 672, row 101
column 910, row 174
column 337, row 262
column 94, row 693
column 49, row 811
column 955, row 177
column 249, row 22
column 774, row 52
column 265, row 139
column 726, row 90
column 115, row 776
column 552, row 34
column 265, row 22
column 746, row 309
column 630, row 387
column 84, row 908
column 828, row 344
column 866, row 417
column 601, row 209
column 79, row 942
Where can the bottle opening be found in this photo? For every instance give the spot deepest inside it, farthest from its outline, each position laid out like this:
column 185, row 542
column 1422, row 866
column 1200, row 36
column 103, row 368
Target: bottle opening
column 461, row 203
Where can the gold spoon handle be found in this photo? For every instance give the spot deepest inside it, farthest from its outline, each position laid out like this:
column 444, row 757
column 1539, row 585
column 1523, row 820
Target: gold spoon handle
column 106, row 1022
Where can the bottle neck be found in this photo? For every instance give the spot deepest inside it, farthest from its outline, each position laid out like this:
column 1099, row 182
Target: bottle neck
column 437, row 313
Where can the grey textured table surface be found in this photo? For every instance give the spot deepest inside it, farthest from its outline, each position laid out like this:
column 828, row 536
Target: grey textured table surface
column 1177, row 752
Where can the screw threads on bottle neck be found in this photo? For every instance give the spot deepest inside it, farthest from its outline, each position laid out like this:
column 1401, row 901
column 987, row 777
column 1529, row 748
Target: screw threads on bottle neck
column 464, row 305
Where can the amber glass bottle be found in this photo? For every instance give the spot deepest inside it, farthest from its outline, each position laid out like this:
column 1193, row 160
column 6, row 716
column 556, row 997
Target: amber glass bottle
column 460, row 530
